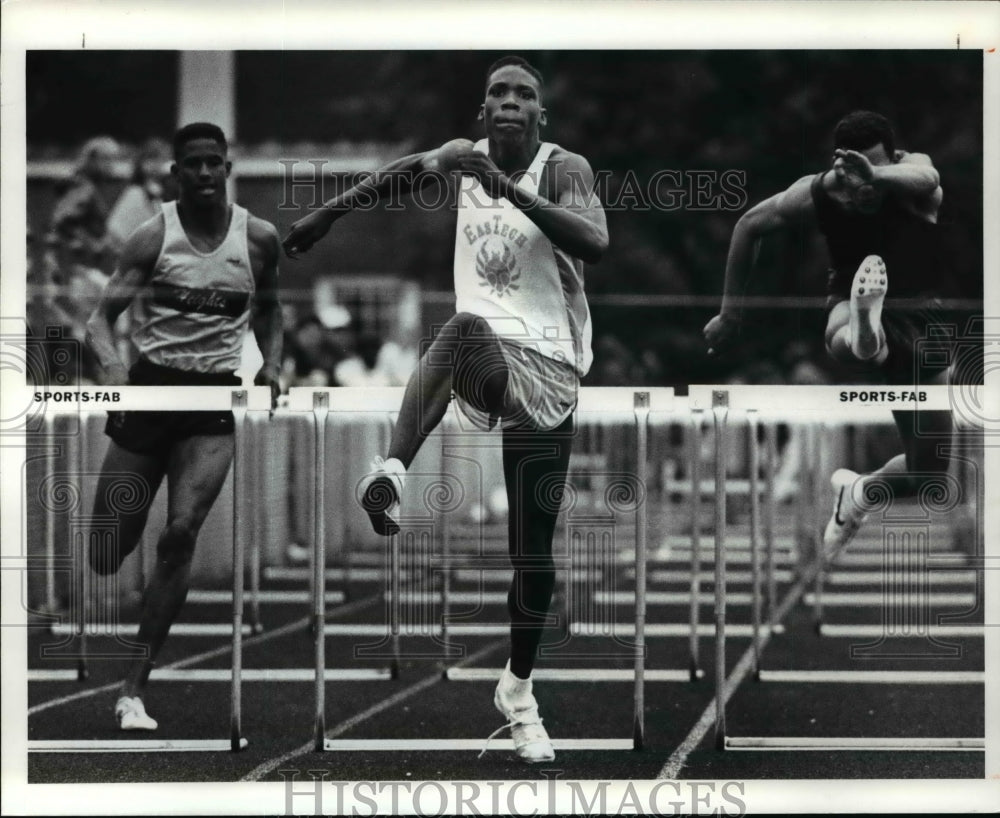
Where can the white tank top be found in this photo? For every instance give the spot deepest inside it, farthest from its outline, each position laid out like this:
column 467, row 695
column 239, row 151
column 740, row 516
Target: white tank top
column 510, row 274
column 194, row 312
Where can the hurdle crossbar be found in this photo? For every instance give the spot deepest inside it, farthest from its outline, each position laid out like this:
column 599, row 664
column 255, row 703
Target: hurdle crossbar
column 292, row 573
column 940, row 677
column 121, row 745
column 670, row 598
column 568, row 674
column 825, row 743
column 878, row 599
column 669, row 629
column 307, row 674
column 211, row 597
column 197, row 629
column 848, row 631
column 465, row 744
column 860, row 744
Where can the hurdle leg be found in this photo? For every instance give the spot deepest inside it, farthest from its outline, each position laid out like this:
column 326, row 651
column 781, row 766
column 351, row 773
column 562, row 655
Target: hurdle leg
column 568, row 594
column 818, row 470
column 321, row 409
column 445, row 559
column 142, row 574
column 642, row 445
column 771, row 446
column 346, row 551
column 395, row 588
column 49, row 429
column 720, row 409
column 754, row 467
column 256, row 536
column 80, row 537
column 695, row 504
column 239, row 546
column 804, row 486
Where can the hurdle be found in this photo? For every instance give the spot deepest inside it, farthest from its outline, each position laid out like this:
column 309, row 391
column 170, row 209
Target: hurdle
column 616, row 401
column 624, row 404
column 605, row 400
column 240, row 401
column 723, row 742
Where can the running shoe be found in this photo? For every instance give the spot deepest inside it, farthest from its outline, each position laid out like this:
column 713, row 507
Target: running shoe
column 867, row 295
column 514, row 699
column 847, row 516
column 131, row 714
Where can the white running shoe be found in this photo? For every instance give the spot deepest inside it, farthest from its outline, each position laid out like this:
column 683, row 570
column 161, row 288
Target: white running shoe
column 131, row 714
column 514, row 699
column 381, row 490
column 867, row 295
column 847, row 516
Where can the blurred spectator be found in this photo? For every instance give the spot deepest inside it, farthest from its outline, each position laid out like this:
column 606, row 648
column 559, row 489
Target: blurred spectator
column 612, row 363
column 375, row 364
column 78, row 254
column 311, row 353
column 148, row 188
column 43, row 310
column 800, row 362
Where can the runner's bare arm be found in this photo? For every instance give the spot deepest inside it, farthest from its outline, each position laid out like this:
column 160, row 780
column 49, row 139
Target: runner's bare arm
column 775, row 213
column 265, row 250
column 574, row 222
column 133, row 271
column 400, row 175
column 912, row 174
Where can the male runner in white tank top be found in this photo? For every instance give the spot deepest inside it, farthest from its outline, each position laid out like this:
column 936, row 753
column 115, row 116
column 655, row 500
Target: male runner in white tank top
column 191, row 275
column 514, row 352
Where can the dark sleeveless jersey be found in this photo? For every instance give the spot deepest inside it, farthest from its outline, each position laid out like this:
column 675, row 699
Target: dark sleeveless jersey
column 910, row 246
column 916, row 262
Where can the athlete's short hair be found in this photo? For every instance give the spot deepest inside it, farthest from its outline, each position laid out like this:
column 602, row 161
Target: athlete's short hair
column 198, row 130
column 520, row 62
column 860, row 130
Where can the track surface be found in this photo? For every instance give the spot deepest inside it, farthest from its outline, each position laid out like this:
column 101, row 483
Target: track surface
column 421, row 704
